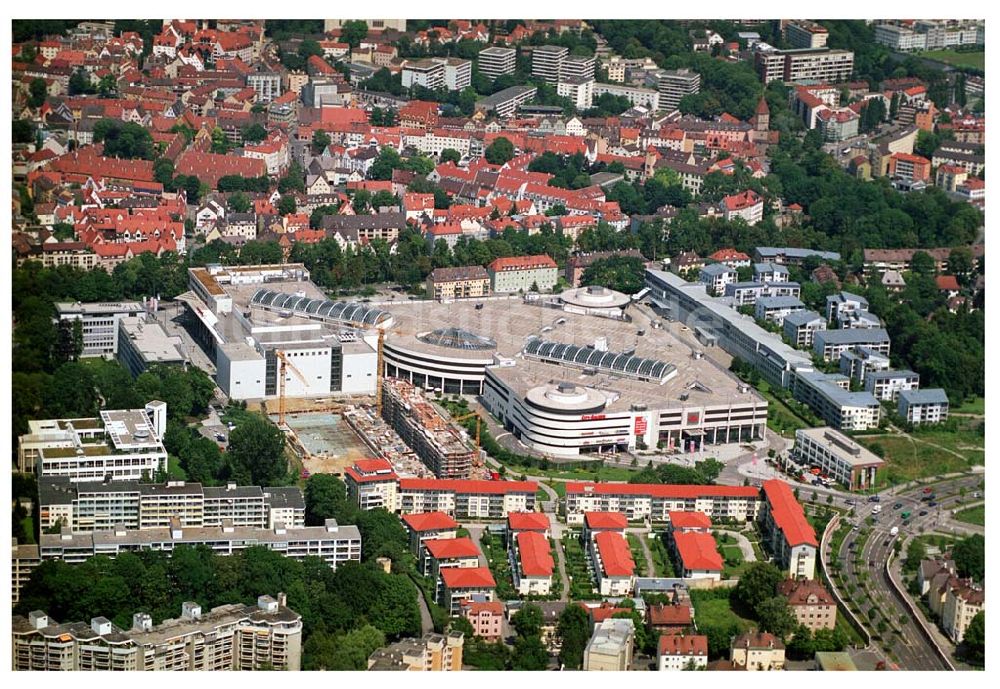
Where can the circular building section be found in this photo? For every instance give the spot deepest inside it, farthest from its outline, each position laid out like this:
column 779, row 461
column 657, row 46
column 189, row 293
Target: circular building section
column 457, row 338
column 594, row 300
column 566, row 398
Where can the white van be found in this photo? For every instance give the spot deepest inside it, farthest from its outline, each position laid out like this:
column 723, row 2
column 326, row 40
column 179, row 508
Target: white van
column 876, row 509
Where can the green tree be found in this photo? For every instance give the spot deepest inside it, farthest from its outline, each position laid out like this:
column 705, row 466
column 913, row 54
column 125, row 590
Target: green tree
column 574, row 632
column 320, row 141
column 353, row 32
column 382, row 535
column 450, row 155
column 757, row 584
column 38, row 91
column 776, row 617
column 22, row 131
column 326, row 498
column 969, row 555
column 286, row 205
column 254, row 133
column 975, row 638
column 529, row 654
column 124, row 139
column 257, row 453
column 239, row 203
column 528, row 620
column 500, row 151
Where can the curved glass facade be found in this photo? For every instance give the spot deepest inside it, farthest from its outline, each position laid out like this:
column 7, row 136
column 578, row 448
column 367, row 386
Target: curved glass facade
column 456, row 338
column 622, row 364
column 340, row 312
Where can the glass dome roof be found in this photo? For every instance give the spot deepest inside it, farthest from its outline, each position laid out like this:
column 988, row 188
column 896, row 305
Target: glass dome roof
column 456, row 338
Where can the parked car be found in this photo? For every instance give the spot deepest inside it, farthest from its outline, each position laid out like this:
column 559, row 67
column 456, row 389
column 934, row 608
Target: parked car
column 874, row 498
column 922, row 513
column 932, row 504
column 897, row 506
column 928, row 490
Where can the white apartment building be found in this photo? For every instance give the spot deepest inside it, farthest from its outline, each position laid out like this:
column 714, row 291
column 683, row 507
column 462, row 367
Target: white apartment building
column 923, row 406
column 803, row 33
column 674, row 85
column 577, row 67
column 426, row 73
column 852, row 465
column 99, row 322
column 787, row 533
column 716, row 276
column 465, row 499
column 654, row 502
column 887, row 385
column 372, row 483
column 612, row 564
column 531, row 563
column 579, row 90
column 522, row 274
column 228, row 637
column 120, row 445
column 332, row 543
column 547, row 61
column 495, row 61
column 682, row 652
column 457, row 73
column 636, row 95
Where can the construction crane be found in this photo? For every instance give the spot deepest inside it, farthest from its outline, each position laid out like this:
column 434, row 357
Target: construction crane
column 285, row 365
column 479, row 422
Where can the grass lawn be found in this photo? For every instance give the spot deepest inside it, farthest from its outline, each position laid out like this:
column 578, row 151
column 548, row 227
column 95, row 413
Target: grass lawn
column 974, row 406
column 713, row 610
column 976, row 59
column 662, row 565
column 558, row 486
column 541, row 496
column 638, row 554
column 28, row 524
column 175, row 472
column 908, row 459
column 603, row 473
column 780, row 417
column 973, row 515
column 581, row 586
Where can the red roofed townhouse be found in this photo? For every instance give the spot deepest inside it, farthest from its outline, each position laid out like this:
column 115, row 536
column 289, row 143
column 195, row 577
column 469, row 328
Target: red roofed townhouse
column 486, row 619
column 654, row 501
column 464, row 498
column 273, row 151
column 603, row 611
column 522, row 274
column 910, row 167
column 597, row 522
column 682, row 522
column 613, row 564
column 747, row 205
column 417, row 204
column 442, row 553
column 425, row 526
column 731, row 257
column 787, row 533
column 536, row 522
column 418, row 114
column 664, row 618
column 948, row 284
column 680, row 652
column 697, row 555
column 531, row 563
column 948, row 177
column 461, row 584
column 211, row 167
column 372, row 483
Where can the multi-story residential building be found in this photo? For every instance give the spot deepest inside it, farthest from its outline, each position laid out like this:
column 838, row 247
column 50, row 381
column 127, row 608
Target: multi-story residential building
column 578, row 90
column 457, row 73
column 534, row 522
column 909, row 167
column 851, row 464
column 830, row 343
column 531, row 563
column 962, row 601
column 266, row 83
column 547, row 62
column 747, row 205
column 610, row 647
column 776, row 309
column 228, row 637
column 840, row 304
column 506, row 102
column 459, row 584
column 99, row 322
column 24, row 558
column 770, row 272
column 333, row 543
column 426, row 72
column 372, row 483
column 747, row 293
column 99, row 506
column 486, row 619
column 837, row 124
column 596, row 522
column 654, row 502
column 673, row 85
column 731, row 257
column 495, row 61
column 442, row 553
column 430, row 653
column 857, row 363
column 822, row 65
column 466, row 499
column 121, row 445
column 636, row 95
column 435, row 439
column 577, row 67
column 800, row 327
column 682, row 652
column 887, row 385
column 787, row 533
column 792, row 256
column 425, row 526
column 923, row 406
column 802, row 33
column 968, row 157
column 697, row 555
column 757, row 651
column 461, row 282
column 810, row 602
column 143, row 343
column 522, row 274
column 669, row 619
column 900, row 38
column 829, row 395
column 612, row 564
column 716, row 276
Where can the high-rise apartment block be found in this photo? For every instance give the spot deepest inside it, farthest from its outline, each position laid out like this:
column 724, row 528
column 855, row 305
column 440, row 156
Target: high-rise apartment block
column 99, row 322
column 267, row 636
column 674, row 85
column 805, row 64
column 547, row 62
column 802, row 33
column 496, row 61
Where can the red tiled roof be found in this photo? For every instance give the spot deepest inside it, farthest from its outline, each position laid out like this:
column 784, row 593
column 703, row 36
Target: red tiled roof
column 662, row 490
column 948, row 282
column 468, row 486
column 522, row 263
column 910, row 158
column 370, row 466
column 680, row 645
column 449, row 548
column 798, row 591
column 788, row 514
column 689, row 520
column 669, row 615
column 467, row 577
column 536, row 556
column 605, row 520
column 616, row 558
column 210, row 167
column 429, row 521
column 604, row 611
column 479, row 607
column 697, row 550
column 741, row 201
column 527, row 521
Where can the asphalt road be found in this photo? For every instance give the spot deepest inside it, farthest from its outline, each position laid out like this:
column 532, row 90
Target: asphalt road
column 911, row 648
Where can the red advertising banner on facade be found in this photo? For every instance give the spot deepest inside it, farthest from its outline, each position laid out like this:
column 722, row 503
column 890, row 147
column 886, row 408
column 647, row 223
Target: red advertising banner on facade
column 640, row 425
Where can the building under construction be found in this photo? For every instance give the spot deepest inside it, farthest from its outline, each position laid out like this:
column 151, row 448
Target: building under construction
column 437, row 441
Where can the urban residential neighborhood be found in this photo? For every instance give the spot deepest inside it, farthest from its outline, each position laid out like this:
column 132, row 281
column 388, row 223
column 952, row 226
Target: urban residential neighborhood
column 484, row 345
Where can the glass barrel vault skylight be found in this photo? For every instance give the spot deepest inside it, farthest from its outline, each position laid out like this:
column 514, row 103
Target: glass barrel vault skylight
column 615, row 363
column 336, row 312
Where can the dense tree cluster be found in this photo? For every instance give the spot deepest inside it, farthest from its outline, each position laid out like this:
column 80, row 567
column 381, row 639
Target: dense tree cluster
column 621, row 273
column 703, row 473
column 124, row 139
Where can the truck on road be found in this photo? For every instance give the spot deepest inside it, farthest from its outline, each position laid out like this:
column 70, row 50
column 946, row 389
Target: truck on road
column 894, row 531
